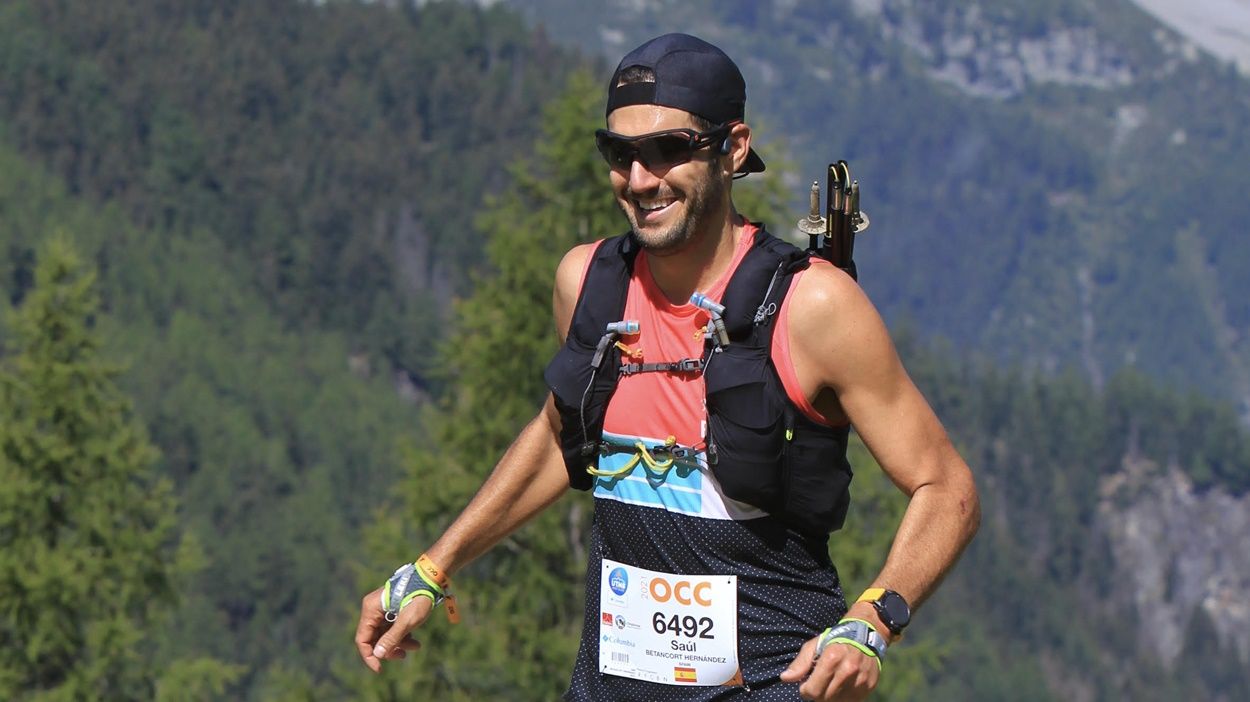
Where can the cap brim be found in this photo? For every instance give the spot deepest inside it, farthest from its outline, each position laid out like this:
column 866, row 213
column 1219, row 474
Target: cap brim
column 753, row 164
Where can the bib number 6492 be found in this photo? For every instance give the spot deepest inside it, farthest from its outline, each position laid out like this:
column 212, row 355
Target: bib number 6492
column 687, row 626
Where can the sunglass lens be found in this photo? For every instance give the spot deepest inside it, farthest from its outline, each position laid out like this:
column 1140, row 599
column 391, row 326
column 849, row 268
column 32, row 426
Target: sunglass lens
column 619, row 153
column 653, row 152
column 666, row 150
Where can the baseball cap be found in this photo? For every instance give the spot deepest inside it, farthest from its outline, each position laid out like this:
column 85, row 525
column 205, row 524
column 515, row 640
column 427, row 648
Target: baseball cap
column 690, row 75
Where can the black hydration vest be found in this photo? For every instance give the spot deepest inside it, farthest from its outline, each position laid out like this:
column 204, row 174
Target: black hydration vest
column 761, row 448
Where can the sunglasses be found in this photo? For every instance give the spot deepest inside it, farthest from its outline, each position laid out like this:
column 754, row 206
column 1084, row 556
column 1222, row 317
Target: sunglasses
column 656, row 150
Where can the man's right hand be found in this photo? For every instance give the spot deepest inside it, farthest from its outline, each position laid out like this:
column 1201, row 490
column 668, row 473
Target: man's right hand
column 378, row 639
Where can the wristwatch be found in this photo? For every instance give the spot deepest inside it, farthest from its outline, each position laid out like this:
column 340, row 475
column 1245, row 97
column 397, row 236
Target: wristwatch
column 890, row 606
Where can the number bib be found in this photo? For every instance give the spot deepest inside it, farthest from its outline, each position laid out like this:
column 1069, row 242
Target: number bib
column 666, row 628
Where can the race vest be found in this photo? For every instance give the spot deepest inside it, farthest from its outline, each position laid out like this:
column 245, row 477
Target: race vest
column 762, row 449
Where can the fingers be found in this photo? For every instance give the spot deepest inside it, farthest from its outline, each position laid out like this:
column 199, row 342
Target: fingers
column 843, row 674
column 409, row 618
column 378, row 640
column 802, row 663
column 370, row 626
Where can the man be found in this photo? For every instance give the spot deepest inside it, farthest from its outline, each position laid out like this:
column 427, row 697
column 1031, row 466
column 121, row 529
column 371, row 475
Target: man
column 706, row 382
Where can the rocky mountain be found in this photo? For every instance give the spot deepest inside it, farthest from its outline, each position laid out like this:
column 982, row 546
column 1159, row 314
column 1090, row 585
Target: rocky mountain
column 1221, row 27
column 1183, row 554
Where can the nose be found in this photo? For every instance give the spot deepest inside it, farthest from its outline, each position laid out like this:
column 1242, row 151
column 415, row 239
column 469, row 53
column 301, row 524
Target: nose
column 642, row 180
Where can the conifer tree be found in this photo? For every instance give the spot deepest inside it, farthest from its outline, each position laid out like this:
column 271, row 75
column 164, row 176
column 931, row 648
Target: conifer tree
column 84, row 525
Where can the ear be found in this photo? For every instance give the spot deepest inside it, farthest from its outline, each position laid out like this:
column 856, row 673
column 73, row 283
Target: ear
column 737, row 145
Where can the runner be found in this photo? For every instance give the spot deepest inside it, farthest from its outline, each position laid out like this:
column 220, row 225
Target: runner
column 707, row 381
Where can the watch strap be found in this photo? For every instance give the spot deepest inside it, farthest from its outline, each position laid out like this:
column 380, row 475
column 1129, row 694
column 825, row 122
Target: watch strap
column 872, row 594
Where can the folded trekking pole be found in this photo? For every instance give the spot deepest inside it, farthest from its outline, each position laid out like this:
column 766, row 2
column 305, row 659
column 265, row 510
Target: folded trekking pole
column 832, row 237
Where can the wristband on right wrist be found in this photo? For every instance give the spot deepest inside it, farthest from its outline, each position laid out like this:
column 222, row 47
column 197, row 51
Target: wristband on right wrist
column 420, row 579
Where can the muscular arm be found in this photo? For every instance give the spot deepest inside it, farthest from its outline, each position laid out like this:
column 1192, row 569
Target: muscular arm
column 842, row 347
column 528, row 478
column 531, row 475
column 847, row 365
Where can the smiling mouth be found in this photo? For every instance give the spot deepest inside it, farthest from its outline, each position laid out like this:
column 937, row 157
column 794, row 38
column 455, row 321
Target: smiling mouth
column 653, row 208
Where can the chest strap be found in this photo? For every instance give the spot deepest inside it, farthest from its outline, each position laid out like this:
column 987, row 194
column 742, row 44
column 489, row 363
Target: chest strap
column 685, row 365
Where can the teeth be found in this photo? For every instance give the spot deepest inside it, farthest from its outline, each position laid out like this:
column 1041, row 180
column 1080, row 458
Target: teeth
column 654, row 205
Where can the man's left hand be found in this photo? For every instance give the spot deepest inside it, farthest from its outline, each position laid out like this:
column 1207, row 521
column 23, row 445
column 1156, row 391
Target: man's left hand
column 842, row 673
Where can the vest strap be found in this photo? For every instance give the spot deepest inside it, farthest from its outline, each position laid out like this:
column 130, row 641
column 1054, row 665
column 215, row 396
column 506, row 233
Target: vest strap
column 685, row 365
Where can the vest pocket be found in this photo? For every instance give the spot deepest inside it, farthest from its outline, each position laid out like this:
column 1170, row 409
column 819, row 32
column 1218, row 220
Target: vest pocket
column 568, row 376
column 818, row 477
column 746, row 436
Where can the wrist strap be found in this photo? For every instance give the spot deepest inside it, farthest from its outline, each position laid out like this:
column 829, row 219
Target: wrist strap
column 430, row 571
column 857, row 633
column 420, row 579
column 872, row 594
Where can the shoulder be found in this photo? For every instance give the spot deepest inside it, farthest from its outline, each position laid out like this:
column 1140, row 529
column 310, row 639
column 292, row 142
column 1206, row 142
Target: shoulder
column 568, row 283
column 835, row 328
column 823, row 292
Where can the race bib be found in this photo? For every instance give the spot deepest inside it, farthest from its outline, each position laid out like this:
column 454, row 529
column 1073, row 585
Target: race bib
column 666, row 628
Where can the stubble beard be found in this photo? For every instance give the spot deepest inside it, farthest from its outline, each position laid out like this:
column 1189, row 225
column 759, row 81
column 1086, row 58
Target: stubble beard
column 700, row 199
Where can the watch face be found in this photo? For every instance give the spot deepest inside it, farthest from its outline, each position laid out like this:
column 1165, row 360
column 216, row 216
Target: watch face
column 894, row 610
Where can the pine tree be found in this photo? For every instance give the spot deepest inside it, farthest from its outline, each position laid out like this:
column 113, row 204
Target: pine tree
column 84, row 526
column 522, row 601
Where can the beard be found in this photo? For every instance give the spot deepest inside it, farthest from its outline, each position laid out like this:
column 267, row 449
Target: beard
column 703, row 197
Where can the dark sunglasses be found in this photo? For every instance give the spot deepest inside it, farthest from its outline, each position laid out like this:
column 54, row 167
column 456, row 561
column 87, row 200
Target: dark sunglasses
column 664, row 149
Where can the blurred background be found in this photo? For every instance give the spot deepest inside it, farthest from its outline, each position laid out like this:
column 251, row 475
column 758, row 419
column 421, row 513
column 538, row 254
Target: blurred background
column 276, row 281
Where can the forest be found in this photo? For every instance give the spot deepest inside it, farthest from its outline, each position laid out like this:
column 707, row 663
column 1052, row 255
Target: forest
column 276, row 282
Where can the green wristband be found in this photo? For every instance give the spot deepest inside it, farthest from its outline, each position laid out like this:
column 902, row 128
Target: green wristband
column 862, row 648
column 854, row 632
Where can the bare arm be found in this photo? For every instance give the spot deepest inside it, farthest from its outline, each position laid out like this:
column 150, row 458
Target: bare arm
column 528, row 478
column 852, row 369
column 860, row 365
column 531, row 475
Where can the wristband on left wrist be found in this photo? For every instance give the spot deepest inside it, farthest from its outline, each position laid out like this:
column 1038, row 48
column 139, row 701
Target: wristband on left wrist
column 856, row 633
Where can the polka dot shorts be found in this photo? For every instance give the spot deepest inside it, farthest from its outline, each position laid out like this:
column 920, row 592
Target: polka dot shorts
column 788, row 592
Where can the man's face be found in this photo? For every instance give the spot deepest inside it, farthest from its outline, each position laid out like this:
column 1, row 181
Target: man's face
column 666, row 207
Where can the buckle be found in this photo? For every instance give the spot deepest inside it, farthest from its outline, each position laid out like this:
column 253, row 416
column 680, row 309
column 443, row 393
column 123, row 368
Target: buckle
column 689, row 365
column 682, row 453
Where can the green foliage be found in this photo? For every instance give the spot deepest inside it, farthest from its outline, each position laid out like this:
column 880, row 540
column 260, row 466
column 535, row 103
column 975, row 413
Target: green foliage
column 276, row 446
column 278, row 198
column 522, row 602
column 338, row 147
column 85, row 524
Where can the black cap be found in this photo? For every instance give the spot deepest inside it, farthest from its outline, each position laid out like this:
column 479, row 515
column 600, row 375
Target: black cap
column 690, row 75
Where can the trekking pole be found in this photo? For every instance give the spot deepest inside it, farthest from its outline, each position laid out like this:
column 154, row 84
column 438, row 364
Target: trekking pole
column 842, row 220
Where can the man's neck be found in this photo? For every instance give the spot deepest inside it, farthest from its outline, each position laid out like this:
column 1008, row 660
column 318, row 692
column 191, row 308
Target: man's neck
column 699, row 265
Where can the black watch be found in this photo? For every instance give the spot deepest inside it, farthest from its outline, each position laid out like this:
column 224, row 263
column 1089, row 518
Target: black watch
column 891, row 608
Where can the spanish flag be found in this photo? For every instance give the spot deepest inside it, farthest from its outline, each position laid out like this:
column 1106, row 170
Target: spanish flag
column 684, row 675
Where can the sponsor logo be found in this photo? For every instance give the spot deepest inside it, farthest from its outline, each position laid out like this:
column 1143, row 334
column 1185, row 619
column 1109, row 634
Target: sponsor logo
column 607, row 619
column 620, row 622
column 618, row 641
column 683, row 591
column 618, row 580
column 685, row 675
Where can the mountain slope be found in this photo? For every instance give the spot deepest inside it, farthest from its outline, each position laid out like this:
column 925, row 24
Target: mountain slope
column 1221, row 27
